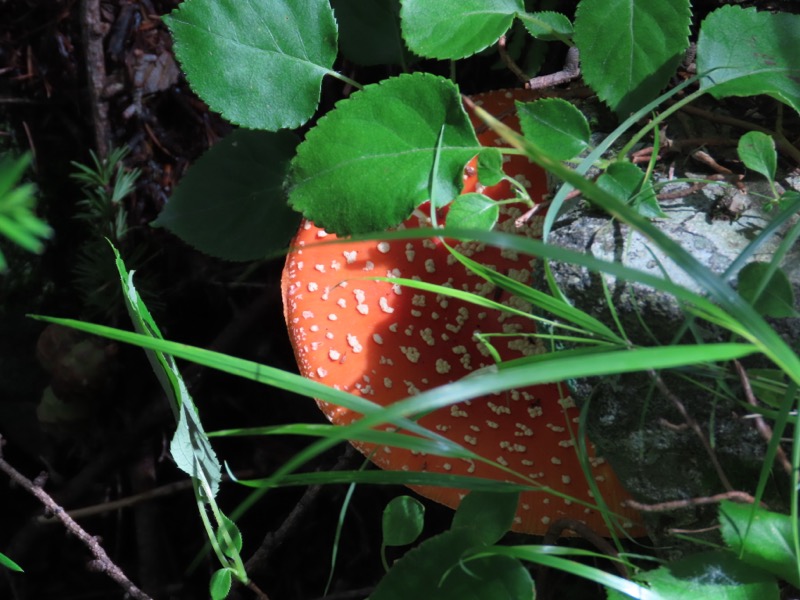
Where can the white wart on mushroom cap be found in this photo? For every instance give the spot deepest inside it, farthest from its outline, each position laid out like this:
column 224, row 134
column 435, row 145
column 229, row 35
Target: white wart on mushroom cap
column 385, row 342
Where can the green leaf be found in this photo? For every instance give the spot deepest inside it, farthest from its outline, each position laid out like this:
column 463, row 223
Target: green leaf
column 717, row 575
column 220, row 585
column 787, row 198
column 547, row 26
column 231, row 204
column 367, row 164
column 761, row 538
column 9, row 564
column 403, row 519
column 189, row 447
column 473, row 211
column 551, row 557
column 452, row 29
column 490, row 167
column 369, row 32
column 260, row 64
column 757, row 152
column 489, row 577
column 489, row 514
column 625, row 181
column 629, row 50
column 433, row 570
column 229, row 537
column 558, row 127
column 750, row 53
column 773, row 298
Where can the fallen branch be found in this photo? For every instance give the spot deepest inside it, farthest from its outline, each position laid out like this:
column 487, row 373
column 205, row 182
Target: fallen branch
column 102, row 562
column 736, row 496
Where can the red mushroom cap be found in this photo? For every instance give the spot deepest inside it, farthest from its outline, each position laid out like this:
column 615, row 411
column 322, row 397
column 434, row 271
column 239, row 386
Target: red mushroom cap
column 385, row 343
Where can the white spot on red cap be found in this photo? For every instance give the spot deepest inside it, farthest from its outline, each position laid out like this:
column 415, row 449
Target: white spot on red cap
column 354, row 344
column 457, row 411
column 427, row 336
column 411, row 353
column 430, row 266
column 384, row 304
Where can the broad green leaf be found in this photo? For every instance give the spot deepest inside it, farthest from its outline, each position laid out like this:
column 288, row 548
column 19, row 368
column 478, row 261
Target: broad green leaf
column 552, row 557
column 9, row 564
column 774, row 298
column 547, row 25
column 473, row 211
column 750, row 53
column 231, row 204
column 220, row 585
column 189, row 447
column 489, row 577
column 230, row 540
column 490, row 167
column 489, row 514
column 403, row 520
column 558, row 127
column 717, row 575
column 419, row 572
column 452, row 29
column 761, row 538
column 757, row 152
column 367, row 164
column 625, row 181
column 260, row 64
column 629, row 50
column 369, row 32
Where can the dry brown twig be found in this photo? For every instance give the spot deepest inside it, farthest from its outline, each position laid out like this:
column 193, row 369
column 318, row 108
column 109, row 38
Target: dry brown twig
column 761, row 425
column 734, row 495
column 102, row 562
column 571, row 71
column 693, row 425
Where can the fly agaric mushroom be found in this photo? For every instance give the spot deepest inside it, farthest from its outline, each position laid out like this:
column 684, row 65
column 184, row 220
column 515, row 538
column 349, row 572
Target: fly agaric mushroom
column 385, row 343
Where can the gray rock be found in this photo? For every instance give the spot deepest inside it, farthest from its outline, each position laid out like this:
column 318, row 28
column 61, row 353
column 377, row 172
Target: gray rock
column 634, row 425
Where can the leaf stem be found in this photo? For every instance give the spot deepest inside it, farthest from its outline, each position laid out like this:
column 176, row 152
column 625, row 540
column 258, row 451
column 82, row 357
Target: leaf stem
column 346, row 79
column 657, row 120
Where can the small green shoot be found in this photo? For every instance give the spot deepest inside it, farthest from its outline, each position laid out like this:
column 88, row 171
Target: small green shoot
column 18, row 221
